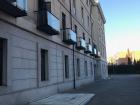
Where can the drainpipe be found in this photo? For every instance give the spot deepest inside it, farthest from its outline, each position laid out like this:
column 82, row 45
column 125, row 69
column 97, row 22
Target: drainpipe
column 92, row 33
column 74, row 79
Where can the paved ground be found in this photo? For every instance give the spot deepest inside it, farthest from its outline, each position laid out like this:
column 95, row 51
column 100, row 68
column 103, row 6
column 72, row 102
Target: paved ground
column 65, row 99
column 119, row 90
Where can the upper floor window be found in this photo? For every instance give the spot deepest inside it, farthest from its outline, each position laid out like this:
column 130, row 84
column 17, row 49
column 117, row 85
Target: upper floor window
column 82, row 14
column 3, row 60
column 84, row 36
column 48, row 6
column 44, row 5
column 74, row 6
column 92, row 28
column 87, row 2
column 75, row 27
column 89, row 41
column 88, row 20
column 64, row 25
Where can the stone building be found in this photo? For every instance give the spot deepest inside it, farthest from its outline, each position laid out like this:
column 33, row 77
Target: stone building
column 48, row 46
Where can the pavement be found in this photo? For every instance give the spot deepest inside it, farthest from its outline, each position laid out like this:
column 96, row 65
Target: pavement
column 118, row 90
column 65, row 99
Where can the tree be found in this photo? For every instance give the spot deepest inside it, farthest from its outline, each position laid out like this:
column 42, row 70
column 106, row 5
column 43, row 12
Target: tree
column 134, row 62
column 129, row 57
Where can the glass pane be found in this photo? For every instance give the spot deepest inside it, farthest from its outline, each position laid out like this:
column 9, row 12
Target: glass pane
column 53, row 22
column 22, row 4
column 44, row 65
column 83, row 43
column 90, row 48
column 72, row 35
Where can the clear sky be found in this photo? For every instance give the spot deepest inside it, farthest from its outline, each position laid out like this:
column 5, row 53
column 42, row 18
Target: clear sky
column 122, row 26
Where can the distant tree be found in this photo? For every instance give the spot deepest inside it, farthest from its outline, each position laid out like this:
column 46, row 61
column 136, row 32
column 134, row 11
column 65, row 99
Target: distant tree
column 129, row 57
column 138, row 62
column 129, row 61
column 134, row 61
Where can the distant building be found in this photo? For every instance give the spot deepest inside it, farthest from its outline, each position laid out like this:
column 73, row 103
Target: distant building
column 125, row 57
column 122, row 61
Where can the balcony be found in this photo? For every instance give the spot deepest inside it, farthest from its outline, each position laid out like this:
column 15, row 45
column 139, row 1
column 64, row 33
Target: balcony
column 15, row 8
column 99, row 54
column 88, row 48
column 69, row 36
column 81, row 44
column 94, row 51
column 48, row 23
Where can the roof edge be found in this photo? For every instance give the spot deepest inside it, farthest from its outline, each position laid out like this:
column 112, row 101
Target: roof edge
column 101, row 12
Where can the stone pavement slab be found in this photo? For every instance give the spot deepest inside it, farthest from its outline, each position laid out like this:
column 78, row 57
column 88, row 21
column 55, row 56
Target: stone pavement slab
column 65, row 99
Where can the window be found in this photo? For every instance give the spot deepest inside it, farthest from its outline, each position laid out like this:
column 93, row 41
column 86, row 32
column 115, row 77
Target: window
column 78, row 67
column 66, row 66
column 89, row 40
column 86, row 70
column 64, row 25
column 74, row 7
column 87, row 2
column 43, row 5
column 82, row 14
column 92, row 28
column 91, row 67
column 75, row 27
column 88, row 20
column 3, row 60
column 48, row 6
column 84, row 36
column 44, row 65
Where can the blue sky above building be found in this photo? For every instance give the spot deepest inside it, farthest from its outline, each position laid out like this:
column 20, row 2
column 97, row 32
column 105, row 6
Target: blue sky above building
column 123, row 25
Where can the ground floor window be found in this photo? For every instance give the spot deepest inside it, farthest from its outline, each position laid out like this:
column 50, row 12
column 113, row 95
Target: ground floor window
column 44, row 65
column 86, row 70
column 91, row 67
column 3, row 60
column 66, row 66
column 78, row 67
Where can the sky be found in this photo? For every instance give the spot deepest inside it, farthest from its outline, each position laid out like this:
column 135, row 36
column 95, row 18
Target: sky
column 122, row 28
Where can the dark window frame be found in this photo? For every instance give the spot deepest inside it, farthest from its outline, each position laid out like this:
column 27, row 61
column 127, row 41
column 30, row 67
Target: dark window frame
column 86, row 68
column 78, row 67
column 44, row 65
column 66, row 66
column 64, row 25
column 3, row 62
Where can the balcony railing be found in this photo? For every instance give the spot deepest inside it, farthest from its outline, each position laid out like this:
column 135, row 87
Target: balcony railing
column 15, row 8
column 81, row 44
column 69, row 37
column 99, row 54
column 94, row 51
column 48, row 23
column 88, row 48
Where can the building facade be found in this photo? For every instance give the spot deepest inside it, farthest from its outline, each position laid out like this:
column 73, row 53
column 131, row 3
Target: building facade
column 48, row 46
